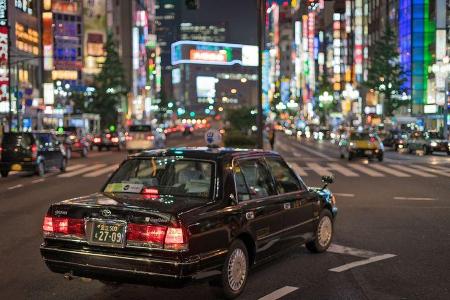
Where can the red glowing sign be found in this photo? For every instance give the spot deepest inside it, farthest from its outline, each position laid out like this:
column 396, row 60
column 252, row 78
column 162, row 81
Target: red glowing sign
column 207, row 55
column 4, row 71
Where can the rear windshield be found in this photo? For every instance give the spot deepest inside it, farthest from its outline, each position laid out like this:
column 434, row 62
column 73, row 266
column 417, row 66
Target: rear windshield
column 359, row 136
column 141, row 128
column 17, row 140
column 166, row 176
column 435, row 135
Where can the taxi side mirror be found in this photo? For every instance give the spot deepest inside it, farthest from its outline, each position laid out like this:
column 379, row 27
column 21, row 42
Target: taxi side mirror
column 327, row 180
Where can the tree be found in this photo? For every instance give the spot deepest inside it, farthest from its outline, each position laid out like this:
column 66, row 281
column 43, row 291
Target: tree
column 110, row 86
column 385, row 73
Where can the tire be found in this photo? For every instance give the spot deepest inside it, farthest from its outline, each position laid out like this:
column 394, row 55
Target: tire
column 426, row 151
column 107, row 148
column 100, row 148
column 234, row 264
column 84, row 152
column 69, row 153
column 350, row 156
column 410, row 151
column 40, row 169
column 325, row 224
column 380, row 157
column 63, row 165
column 4, row 173
column 342, row 156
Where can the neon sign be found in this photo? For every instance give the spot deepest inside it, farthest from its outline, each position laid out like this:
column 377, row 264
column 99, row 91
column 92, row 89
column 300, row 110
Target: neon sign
column 206, row 55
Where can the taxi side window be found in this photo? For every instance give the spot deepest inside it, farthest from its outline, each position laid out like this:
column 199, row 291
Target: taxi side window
column 285, row 179
column 257, row 178
column 243, row 194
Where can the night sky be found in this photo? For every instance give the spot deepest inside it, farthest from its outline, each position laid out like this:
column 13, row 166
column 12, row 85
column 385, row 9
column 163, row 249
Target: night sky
column 240, row 16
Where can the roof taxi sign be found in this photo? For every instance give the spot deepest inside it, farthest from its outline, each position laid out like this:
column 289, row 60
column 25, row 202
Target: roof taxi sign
column 213, row 138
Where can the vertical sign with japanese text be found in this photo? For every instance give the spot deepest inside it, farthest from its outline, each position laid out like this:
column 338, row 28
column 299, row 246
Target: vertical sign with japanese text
column 4, row 57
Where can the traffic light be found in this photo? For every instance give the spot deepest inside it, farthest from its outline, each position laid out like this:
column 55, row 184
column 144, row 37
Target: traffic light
column 192, row 4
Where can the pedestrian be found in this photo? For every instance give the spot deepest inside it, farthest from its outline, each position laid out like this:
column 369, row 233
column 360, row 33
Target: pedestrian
column 272, row 137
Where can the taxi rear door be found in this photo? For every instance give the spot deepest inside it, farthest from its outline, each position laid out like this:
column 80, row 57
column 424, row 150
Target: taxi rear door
column 262, row 208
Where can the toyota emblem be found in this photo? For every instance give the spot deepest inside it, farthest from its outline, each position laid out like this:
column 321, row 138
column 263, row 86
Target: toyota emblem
column 106, row 213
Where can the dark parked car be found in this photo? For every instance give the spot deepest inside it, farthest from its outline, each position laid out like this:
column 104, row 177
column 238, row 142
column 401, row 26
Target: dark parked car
column 169, row 217
column 32, row 152
column 108, row 140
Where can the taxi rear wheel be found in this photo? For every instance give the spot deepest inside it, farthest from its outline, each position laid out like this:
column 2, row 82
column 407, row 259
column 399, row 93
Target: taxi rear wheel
column 235, row 270
column 324, row 233
column 4, row 173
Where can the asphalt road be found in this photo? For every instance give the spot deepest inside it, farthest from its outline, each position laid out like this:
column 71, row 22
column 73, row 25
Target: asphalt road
column 392, row 233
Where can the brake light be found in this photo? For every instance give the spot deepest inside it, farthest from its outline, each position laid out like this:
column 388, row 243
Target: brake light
column 372, row 140
column 154, row 236
column 129, row 138
column 65, row 226
column 146, row 235
column 34, row 151
column 150, row 138
column 97, row 140
column 150, row 191
column 115, row 140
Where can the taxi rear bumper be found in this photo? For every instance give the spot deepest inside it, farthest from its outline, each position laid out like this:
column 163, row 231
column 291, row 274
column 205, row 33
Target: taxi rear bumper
column 130, row 269
column 24, row 166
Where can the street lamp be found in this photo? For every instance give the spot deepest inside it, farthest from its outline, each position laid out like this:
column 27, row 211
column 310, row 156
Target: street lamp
column 326, row 98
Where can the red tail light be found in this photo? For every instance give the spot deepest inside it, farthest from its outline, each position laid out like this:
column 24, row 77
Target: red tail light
column 150, row 191
column 148, row 234
column 66, row 226
column 150, row 138
column 372, row 140
column 34, row 151
column 129, row 138
column 155, row 236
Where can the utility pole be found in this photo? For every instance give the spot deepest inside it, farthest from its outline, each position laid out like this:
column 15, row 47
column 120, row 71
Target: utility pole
column 261, row 8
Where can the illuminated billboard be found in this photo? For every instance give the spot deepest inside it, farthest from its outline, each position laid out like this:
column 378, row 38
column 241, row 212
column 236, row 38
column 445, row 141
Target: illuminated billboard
column 206, row 87
column 4, row 70
column 94, row 21
column 195, row 52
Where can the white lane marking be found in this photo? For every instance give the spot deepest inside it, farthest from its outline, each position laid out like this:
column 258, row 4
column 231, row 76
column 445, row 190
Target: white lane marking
column 38, row 180
column 315, row 152
column 75, row 167
column 298, row 170
column 15, row 187
column 279, row 293
column 389, row 171
column 101, row 171
column 344, row 195
column 441, row 168
column 343, row 170
column 81, row 171
column 428, row 169
column 318, row 169
column 366, row 170
column 412, row 171
column 361, row 262
column 415, row 198
column 339, row 249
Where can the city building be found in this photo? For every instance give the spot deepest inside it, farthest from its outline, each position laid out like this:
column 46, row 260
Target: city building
column 20, row 73
column 203, row 32
column 207, row 76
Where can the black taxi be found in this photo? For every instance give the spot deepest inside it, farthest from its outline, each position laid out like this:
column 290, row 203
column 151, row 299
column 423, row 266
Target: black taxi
column 174, row 216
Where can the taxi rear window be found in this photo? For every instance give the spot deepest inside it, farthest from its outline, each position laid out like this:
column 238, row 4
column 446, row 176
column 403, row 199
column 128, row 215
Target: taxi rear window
column 141, row 128
column 173, row 176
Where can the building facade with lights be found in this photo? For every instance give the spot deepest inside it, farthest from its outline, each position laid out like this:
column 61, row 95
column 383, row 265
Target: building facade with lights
column 20, row 65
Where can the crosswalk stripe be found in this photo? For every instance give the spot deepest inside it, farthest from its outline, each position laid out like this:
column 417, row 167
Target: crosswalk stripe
column 75, row 167
column 390, row 171
column 314, row 152
column 412, row 171
column 366, row 170
column 441, row 168
column 299, row 170
column 101, row 171
column 431, row 170
column 318, row 169
column 81, row 171
column 343, row 170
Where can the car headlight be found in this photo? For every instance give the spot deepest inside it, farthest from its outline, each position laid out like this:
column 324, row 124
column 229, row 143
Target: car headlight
column 433, row 144
column 352, row 144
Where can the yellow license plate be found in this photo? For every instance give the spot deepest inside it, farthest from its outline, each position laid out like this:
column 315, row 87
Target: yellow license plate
column 16, row 167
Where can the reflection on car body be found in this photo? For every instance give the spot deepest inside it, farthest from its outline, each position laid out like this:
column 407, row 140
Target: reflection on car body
column 170, row 217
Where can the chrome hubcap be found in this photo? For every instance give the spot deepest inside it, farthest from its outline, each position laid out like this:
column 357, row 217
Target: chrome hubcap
column 325, row 231
column 237, row 269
